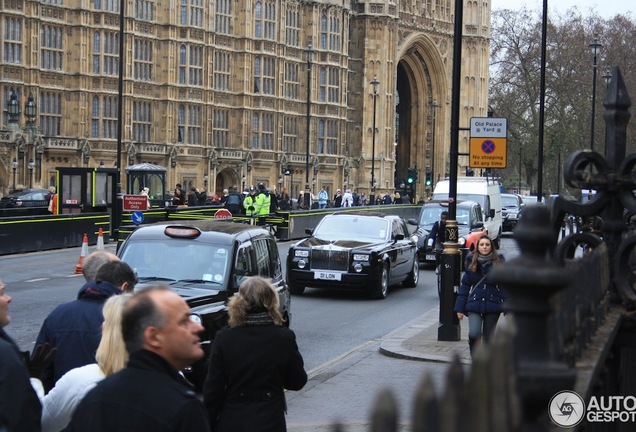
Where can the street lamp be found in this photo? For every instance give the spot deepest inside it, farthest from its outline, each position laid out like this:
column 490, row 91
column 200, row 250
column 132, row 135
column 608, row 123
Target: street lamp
column 595, row 46
column 375, row 83
column 243, row 184
column 205, row 181
column 13, row 108
column 15, row 167
column 310, row 52
column 434, row 106
column 607, row 77
column 101, row 164
column 31, row 166
column 30, row 111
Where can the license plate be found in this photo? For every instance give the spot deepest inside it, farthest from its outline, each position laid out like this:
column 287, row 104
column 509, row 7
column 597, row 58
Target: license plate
column 430, row 257
column 327, row 276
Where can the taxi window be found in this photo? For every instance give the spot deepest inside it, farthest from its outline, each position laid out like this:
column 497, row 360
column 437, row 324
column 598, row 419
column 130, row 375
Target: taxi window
column 262, row 258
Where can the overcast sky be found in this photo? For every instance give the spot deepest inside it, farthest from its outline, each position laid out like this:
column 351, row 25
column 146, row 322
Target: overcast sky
column 605, row 8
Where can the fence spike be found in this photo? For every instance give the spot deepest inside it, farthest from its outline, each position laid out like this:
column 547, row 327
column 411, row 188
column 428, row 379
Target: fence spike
column 385, row 413
column 426, row 406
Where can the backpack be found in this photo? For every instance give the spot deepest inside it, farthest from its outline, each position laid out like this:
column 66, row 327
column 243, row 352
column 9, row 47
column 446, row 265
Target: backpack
column 233, row 199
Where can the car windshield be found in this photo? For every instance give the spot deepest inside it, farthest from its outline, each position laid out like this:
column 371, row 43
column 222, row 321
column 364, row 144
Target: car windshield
column 479, row 199
column 509, row 201
column 431, row 214
column 178, row 260
column 353, row 227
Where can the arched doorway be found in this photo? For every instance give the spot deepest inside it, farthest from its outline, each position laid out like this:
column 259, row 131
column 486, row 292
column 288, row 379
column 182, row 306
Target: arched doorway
column 226, row 179
column 420, row 88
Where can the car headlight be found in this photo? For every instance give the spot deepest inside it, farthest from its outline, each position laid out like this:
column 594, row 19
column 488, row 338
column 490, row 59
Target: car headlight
column 360, row 257
column 196, row 318
column 301, row 253
column 415, row 238
column 430, row 242
column 461, row 241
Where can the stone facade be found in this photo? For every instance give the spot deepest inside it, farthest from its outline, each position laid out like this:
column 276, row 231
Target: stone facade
column 219, row 88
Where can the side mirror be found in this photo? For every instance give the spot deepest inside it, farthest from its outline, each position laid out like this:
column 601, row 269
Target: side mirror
column 309, row 231
column 479, row 225
column 491, row 213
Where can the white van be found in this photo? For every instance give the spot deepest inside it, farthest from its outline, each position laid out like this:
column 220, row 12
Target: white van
column 483, row 190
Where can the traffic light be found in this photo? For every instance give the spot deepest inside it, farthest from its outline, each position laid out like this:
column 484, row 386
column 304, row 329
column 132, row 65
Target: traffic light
column 411, row 176
column 429, row 181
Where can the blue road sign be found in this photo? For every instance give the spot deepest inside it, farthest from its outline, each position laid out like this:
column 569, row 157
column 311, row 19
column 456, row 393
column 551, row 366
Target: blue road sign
column 137, row 217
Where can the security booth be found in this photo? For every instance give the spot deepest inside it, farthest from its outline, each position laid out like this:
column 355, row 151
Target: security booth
column 86, row 190
column 151, row 176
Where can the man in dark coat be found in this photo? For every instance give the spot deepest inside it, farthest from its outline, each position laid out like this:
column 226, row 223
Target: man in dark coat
column 20, row 408
column 149, row 394
column 75, row 328
column 234, row 202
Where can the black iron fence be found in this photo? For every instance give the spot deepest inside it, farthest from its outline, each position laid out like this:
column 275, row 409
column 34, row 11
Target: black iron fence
column 571, row 297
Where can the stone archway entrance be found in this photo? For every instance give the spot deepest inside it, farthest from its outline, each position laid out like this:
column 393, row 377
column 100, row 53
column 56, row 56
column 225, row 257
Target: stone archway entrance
column 226, row 179
column 420, row 87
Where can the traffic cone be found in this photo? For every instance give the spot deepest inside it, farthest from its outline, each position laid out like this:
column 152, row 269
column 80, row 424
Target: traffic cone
column 83, row 253
column 100, row 240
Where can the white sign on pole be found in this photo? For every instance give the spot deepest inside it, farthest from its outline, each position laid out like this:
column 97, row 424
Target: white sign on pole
column 488, row 127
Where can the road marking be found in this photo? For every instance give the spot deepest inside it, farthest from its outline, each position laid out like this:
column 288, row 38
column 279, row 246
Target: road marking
column 37, row 280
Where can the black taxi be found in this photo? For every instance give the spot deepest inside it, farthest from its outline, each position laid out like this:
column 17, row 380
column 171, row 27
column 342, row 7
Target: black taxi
column 365, row 251
column 205, row 261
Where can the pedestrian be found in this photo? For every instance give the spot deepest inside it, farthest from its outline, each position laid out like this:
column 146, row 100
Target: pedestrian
column 387, row 198
column 249, row 203
column 273, row 205
column 363, row 199
column 323, row 197
column 284, row 201
column 224, row 197
column 146, row 191
column 60, row 403
column 202, row 197
column 337, row 198
column 179, row 197
column 252, row 362
column 262, row 203
column 149, row 394
column 437, row 237
column 94, row 261
column 193, row 197
column 397, row 198
column 51, row 199
column 20, row 408
column 74, row 328
column 405, row 199
column 347, row 199
column 478, row 298
column 234, row 202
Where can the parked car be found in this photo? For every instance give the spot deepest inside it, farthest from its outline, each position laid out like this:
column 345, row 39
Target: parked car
column 205, row 262
column 511, row 205
column 470, row 224
column 359, row 251
column 25, row 198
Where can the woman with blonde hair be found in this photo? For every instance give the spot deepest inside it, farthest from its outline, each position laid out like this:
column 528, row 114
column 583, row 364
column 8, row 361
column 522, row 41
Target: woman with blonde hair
column 252, row 362
column 60, row 403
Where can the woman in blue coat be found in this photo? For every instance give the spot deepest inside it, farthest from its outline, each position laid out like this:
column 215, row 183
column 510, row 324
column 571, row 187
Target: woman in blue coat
column 478, row 298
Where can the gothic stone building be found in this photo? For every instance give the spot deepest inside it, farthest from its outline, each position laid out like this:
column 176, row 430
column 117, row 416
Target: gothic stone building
column 225, row 88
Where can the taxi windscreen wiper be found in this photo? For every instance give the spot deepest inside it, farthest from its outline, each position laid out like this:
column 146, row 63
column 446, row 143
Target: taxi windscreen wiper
column 199, row 281
column 154, row 278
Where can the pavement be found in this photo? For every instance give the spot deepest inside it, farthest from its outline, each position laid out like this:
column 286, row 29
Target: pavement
column 345, row 390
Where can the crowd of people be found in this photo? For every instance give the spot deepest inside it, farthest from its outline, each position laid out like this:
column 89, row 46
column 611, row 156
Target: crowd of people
column 111, row 359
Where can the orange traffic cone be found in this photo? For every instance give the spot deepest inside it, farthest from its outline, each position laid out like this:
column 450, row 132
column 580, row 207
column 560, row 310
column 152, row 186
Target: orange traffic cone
column 100, row 240
column 83, row 253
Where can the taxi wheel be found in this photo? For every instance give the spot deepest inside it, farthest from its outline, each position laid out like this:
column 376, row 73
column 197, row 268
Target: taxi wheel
column 414, row 276
column 382, row 286
column 296, row 290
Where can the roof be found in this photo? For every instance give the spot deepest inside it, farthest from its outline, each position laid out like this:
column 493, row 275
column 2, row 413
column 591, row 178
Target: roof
column 219, row 230
column 145, row 166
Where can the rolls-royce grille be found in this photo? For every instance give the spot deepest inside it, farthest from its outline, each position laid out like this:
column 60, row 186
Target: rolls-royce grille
column 330, row 260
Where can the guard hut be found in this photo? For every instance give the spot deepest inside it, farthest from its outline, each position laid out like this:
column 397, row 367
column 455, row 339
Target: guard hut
column 151, row 176
column 85, row 190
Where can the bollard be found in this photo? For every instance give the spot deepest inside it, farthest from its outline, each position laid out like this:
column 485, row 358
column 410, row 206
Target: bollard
column 449, row 328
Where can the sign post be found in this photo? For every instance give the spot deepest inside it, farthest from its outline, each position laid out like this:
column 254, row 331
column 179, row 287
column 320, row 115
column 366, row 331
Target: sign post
column 488, row 142
column 135, row 202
